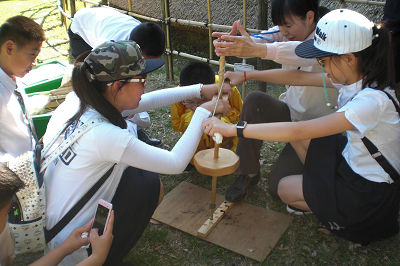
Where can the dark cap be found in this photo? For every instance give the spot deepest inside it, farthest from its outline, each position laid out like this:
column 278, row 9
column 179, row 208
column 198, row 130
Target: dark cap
column 116, row 60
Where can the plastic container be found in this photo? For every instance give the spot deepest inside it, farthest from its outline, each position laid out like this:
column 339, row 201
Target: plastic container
column 44, row 77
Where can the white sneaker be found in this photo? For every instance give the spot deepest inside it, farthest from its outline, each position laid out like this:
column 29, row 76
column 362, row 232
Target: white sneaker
column 296, row 211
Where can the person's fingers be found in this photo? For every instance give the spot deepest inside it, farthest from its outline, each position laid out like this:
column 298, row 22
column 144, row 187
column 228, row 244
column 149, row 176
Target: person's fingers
column 218, row 34
column 110, row 225
column 89, row 225
column 94, row 234
column 234, row 28
column 78, row 231
column 229, row 40
column 242, row 31
column 84, row 241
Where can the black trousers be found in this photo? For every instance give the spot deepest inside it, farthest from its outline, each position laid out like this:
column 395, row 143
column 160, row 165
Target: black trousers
column 259, row 107
column 77, row 44
column 134, row 203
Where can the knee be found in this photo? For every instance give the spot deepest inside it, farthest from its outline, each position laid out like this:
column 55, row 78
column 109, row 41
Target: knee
column 283, row 191
column 161, row 196
column 252, row 101
column 256, row 106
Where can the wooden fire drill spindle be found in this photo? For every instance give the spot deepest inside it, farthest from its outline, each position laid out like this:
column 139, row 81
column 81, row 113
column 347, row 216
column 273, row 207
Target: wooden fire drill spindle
column 216, row 162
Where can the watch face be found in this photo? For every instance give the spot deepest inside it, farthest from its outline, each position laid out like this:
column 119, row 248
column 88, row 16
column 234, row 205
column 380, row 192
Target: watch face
column 241, row 124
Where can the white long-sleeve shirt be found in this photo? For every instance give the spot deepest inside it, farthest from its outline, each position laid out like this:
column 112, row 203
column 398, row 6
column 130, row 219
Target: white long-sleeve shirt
column 304, row 102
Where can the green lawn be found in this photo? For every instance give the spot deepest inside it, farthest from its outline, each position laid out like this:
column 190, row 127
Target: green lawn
column 304, row 242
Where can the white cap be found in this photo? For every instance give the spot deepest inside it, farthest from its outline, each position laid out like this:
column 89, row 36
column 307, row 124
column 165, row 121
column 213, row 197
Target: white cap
column 340, row 31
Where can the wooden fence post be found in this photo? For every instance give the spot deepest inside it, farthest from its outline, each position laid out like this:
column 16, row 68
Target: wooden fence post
column 262, row 23
column 73, row 9
column 165, row 15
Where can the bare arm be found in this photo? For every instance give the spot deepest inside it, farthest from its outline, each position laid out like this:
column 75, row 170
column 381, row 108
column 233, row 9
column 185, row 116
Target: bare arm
column 73, row 242
column 280, row 76
column 283, row 131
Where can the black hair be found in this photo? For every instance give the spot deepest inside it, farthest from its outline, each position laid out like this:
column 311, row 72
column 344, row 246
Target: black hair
column 394, row 28
column 299, row 8
column 10, row 183
column 376, row 61
column 21, row 30
column 196, row 72
column 81, row 57
column 91, row 93
column 150, row 38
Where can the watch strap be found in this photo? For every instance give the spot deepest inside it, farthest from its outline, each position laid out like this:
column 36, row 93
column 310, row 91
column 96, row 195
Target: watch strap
column 240, row 126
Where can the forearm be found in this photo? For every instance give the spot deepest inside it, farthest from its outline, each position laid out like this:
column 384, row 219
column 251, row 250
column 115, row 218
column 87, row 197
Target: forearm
column 284, row 53
column 92, row 260
column 141, row 155
column 165, row 97
column 291, row 131
column 288, row 77
column 54, row 257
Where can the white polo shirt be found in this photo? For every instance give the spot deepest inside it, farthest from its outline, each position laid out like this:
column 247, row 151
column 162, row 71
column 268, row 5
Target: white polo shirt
column 373, row 115
column 100, row 24
column 15, row 134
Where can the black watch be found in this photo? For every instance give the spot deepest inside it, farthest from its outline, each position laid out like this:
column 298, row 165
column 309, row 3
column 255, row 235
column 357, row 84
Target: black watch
column 239, row 128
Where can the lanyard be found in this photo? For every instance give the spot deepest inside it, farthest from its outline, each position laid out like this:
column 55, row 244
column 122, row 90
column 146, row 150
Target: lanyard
column 23, row 108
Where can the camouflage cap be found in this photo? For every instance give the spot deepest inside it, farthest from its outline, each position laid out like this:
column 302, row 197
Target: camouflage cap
column 116, row 60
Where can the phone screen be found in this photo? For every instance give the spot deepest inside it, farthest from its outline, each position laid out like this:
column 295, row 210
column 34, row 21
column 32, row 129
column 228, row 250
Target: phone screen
column 100, row 219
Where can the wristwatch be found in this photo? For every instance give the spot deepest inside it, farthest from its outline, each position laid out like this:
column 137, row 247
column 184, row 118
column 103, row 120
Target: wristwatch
column 239, row 128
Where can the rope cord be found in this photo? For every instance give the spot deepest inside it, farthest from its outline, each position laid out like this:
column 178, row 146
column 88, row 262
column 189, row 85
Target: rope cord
column 259, row 35
column 325, row 89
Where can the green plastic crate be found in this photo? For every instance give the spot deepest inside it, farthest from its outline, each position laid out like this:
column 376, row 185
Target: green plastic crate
column 40, row 122
column 44, row 77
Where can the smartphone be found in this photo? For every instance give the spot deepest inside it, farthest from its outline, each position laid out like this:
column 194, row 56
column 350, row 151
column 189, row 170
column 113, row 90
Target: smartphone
column 102, row 216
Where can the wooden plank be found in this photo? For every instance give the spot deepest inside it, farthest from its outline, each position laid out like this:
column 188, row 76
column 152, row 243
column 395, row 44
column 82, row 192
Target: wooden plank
column 209, row 224
column 245, row 229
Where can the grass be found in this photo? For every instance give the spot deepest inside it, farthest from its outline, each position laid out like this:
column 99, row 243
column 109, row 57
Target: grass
column 304, row 242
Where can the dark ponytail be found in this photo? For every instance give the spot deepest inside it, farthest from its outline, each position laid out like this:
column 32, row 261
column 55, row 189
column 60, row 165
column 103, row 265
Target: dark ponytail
column 90, row 94
column 376, row 62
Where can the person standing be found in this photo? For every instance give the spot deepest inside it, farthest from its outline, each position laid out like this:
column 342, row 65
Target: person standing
column 21, row 40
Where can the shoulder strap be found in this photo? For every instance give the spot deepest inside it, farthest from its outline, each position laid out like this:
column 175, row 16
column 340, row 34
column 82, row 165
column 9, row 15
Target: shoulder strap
column 394, row 102
column 378, row 156
column 67, row 142
column 50, row 234
column 381, row 160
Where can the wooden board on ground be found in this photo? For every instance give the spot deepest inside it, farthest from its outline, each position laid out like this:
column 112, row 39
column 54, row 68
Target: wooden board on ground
column 245, row 229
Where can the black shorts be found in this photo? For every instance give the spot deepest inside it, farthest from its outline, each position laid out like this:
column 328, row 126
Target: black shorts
column 346, row 203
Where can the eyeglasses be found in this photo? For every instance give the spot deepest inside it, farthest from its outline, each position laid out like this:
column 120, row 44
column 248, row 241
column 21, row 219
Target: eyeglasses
column 321, row 61
column 143, row 81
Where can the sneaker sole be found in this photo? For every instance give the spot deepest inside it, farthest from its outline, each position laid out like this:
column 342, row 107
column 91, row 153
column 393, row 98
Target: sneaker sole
column 294, row 212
